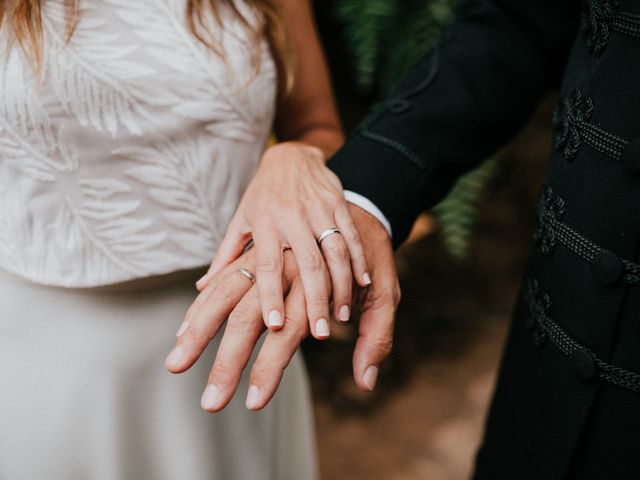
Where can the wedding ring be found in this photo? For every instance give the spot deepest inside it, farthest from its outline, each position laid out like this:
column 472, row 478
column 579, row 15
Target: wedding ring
column 328, row 233
column 248, row 274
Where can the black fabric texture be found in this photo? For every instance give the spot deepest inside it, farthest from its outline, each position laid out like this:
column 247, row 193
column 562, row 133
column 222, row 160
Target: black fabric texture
column 555, row 414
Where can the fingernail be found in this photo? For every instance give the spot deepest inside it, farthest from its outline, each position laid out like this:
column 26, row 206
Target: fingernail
column 210, row 397
column 175, row 357
column 366, row 278
column 253, row 397
column 344, row 313
column 274, row 319
column 202, row 282
column 370, row 377
column 322, row 328
column 182, row 329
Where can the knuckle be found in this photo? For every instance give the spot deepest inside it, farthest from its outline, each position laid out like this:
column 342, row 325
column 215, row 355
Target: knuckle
column 271, row 294
column 319, row 300
column 338, row 251
column 342, row 288
column 198, row 301
column 383, row 295
column 353, row 237
column 241, row 319
column 292, row 335
column 261, row 372
column 359, row 257
column 192, row 332
column 296, row 210
column 223, row 368
column 221, row 292
column 311, row 262
column 383, row 344
column 268, row 265
column 196, row 336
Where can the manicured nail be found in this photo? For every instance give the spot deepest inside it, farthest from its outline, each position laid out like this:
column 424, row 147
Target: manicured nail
column 210, row 397
column 370, row 377
column 275, row 319
column 344, row 313
column 175, row 357
column 367, row 279
column 182, row 329
column 322, row 328
column 203, row 281
column 253, row 397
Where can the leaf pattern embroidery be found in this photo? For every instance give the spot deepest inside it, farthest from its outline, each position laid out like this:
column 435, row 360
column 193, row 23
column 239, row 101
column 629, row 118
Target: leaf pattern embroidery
column 93, row 76
column 29, row 140
column 127, row 158
column 217, row 91
column 173, row 175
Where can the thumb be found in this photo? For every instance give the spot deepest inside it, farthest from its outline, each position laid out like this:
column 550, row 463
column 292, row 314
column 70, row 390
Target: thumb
column 374, row 343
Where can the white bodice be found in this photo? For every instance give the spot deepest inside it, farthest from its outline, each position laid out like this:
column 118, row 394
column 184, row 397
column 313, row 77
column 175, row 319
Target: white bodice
column 129, row 153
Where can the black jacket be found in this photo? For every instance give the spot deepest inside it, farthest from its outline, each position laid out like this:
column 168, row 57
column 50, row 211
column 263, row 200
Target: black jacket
column 567, row 403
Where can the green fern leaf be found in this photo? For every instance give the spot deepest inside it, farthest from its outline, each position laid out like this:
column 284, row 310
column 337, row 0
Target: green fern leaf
column 366, row 26
column 458, row 212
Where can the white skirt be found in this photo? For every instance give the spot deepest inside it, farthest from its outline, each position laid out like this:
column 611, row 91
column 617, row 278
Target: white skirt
column 84, row 394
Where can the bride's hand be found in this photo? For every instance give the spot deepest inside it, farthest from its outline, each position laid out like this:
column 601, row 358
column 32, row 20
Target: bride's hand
column 292, row 200
column 231, row 295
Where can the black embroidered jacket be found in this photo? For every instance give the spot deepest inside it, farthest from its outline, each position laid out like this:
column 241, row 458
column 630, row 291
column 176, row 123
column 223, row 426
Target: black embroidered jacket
column 567, row 403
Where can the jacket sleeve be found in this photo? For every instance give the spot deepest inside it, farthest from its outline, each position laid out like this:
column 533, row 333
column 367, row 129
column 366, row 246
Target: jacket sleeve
column 463, row 100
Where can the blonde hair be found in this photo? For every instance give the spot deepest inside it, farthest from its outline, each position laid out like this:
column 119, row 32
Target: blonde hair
column 25, row 18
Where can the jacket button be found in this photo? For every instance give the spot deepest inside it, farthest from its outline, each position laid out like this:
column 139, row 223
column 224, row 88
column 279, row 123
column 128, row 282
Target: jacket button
column 399, row 106
column 606, row 267
column 583, row 363
column 631, row 156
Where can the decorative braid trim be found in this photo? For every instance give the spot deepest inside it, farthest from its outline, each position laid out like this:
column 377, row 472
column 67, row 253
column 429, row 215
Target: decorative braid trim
column 603, row 141
column 572, row 123
column 551, row 229
column 603, row 17
column 544, row 327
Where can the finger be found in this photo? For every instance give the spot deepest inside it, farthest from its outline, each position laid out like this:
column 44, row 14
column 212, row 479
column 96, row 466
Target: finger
column 241, row 334
column 313, row 276
column 269, row 266
column 277, row 351
column 232, row 246
column 344, row 222
column 376, row 328
column 247, row 261
column 193, row 308
column 336, row 256
column 205, row 322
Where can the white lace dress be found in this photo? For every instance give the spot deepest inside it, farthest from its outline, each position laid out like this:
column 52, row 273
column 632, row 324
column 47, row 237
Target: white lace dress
column 124, row 160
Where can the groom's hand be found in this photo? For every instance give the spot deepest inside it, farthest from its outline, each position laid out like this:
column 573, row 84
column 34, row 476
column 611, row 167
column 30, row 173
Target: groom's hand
column 378, row 303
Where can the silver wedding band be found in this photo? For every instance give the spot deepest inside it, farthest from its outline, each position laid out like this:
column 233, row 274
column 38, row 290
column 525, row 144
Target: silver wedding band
column 248, row 274
column 328, row 233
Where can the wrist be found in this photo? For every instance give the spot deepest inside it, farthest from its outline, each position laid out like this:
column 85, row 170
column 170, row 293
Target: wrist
column 295, row 149
column 368, row 206
column 365, row 220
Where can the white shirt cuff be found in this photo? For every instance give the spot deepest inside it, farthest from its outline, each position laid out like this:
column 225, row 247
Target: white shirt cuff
column 367, row 205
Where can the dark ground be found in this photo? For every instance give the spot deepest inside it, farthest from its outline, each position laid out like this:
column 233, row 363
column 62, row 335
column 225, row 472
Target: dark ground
column 426, row 418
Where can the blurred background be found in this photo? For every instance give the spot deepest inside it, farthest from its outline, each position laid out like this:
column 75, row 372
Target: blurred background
column 460, row 273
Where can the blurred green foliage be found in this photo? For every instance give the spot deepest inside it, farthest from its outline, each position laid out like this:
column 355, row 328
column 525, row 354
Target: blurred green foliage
column 384, row 38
